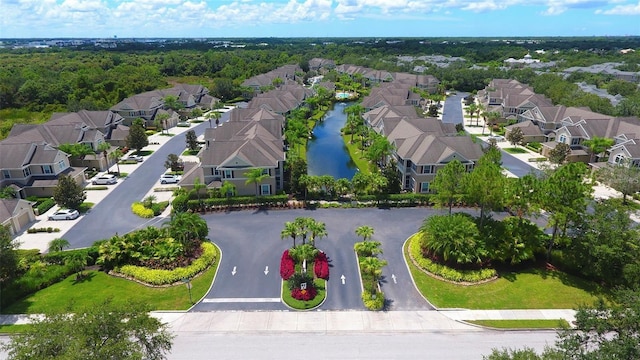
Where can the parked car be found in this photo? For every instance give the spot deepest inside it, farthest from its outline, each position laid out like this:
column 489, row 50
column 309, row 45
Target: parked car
column 169, row 179
column 64, row 214
column 106, row 179
column 497, row 138
column 137, row 158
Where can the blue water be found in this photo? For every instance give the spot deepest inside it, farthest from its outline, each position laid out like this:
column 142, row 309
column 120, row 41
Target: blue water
column 326, row 152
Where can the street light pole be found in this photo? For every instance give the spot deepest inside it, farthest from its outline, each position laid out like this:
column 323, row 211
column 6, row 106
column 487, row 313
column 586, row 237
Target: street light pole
column 187, row 282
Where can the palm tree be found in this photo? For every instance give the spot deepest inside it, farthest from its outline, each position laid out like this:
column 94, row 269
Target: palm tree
column 148, row 201
column 57, row 245
column 197, row 186
column 373, row 266
column 303, row 224
column 597, row 145
column 492, row 118
column 365, row 231
column 480, row 108
column 471, row 109
column 290, row 230
column 303, row 253
column 188, row 228
column 227, row 190
column 317, row 230
column 117, row 155
column 77, row 261
column 368, row 248
column 255, row 176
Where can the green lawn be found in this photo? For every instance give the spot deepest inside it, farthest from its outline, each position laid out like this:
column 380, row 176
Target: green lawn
column 356, row 154
column 305, row 305
column 528, row 289
column 13, row 329
column 99, row 286
column 522, row 324
column 515, row 150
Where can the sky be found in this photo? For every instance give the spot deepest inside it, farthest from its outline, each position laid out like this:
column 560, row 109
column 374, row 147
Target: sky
column 316, row 18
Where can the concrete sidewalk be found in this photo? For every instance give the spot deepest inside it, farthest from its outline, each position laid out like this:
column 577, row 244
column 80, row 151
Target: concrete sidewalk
column 334, row 321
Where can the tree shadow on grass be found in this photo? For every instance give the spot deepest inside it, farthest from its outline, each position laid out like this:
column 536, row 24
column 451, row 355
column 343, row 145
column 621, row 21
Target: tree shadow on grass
column 83, row 277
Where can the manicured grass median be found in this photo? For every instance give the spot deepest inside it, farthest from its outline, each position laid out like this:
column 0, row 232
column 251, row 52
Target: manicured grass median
column 528, row 289
column 522, row 324
column 304, row 305
column 14, row 329
column 99, row 286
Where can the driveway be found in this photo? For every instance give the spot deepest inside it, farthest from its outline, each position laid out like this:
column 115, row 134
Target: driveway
column 113, row 214
column 251, row 245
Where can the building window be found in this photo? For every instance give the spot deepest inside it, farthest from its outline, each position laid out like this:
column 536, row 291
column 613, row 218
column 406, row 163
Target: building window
column 562, row 139
column 6, row 174
column 215, row 172
column 26, row 171
column 424, row 187
column 575, row 141
column 468, row 167
column 428, row 169
column 47, row 169
column 62, row 165
column 265, row 189
column 228, row 174
column 619, row 159
column 266, row 172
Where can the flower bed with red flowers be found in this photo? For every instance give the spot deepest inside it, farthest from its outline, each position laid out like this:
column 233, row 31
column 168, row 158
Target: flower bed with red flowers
column 287, row 265
column 321, row 266
column 305, row 295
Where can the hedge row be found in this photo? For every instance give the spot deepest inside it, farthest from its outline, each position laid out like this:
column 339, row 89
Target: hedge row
column 445, row 272
column 166, row 277
column 45, row 206
column 239, row 200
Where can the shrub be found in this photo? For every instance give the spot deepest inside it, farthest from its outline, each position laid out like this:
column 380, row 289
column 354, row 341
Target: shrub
column 305, row 295
column 371, row 303
column 165, row 277
column 287, row 265
column 45, row 206
column 141, row 211
column 39, row 230
column 447, row 273
column 321, row 266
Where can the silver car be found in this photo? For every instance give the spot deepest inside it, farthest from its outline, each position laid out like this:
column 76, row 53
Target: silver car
column 169, row 179
column 106, row 179
column 64, row 214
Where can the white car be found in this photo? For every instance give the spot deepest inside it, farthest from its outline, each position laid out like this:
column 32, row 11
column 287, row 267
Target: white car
column 106, row 179
column 169, row 179
column 64, row 214
column 137, row 158
column 497, row 138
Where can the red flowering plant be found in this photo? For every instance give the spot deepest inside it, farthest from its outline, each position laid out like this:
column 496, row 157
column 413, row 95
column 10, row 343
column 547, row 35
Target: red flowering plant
column 302, row 287
column 287, row 265
column 321, row 266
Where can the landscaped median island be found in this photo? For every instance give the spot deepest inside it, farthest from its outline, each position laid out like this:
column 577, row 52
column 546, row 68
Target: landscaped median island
column 303, row 288
column 370, row 267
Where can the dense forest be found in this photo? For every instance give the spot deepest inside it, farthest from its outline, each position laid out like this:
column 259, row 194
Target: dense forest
column 36, row 82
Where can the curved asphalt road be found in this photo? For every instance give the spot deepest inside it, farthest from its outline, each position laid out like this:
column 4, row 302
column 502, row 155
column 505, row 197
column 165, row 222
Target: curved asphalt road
column 250, row 242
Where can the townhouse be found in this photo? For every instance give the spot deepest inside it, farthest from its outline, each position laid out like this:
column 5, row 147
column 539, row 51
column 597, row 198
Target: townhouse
column 422, row 145
column 149, row 104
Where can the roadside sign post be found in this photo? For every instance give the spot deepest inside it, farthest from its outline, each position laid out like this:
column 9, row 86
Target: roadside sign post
column 187, row 282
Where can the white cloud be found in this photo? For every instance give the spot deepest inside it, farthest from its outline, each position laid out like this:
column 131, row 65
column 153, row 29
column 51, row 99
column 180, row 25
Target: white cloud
column 630, row 9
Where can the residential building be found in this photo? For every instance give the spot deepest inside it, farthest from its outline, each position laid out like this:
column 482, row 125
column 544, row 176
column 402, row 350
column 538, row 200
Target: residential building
column 16, row 214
